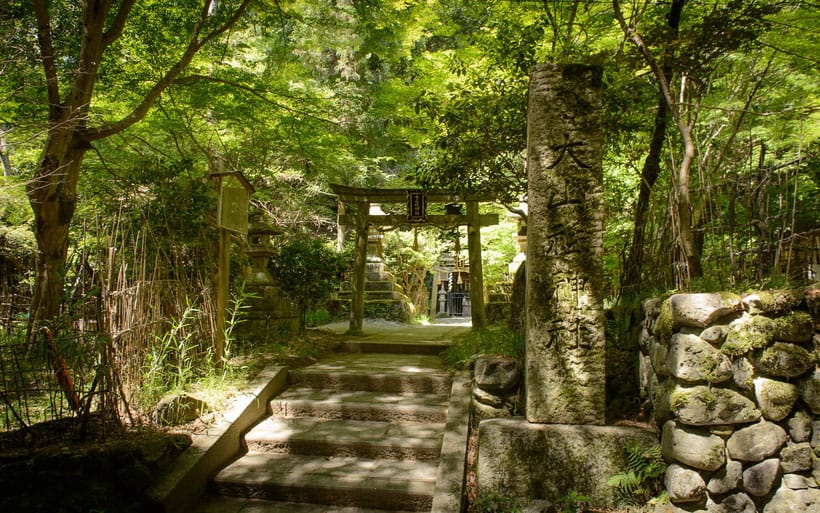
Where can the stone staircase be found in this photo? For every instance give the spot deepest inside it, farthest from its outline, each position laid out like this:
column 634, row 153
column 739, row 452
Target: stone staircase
column 357, row 433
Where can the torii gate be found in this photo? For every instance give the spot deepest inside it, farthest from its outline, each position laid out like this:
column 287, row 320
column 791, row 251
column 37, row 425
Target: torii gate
column 416, row 200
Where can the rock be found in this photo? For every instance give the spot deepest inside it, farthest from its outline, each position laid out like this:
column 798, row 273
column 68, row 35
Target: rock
column 759, row 479
column 660, row 396
column 704, row 452
column 774, row 303
column 691, row 359
column 774, row 398
column 658, row 355
column 796, row 458
column 756, row 442
column 705, row 406
column 487, row 398
column 794, row 501
column 726, row 479
column 815, row 438
column 748, row 333
column 809, row 390
column 796, row 327
column 684, row 485
column 702, row 310
column 496, row 374
column 800, row 426
column 783, row 360
column 715, row 335
column 179, row 409
column 735, row 503
column 743, row 373
column 540, row 506
column 798, row 482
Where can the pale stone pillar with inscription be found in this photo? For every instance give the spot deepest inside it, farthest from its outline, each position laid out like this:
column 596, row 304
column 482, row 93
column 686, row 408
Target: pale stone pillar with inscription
column 565, row 360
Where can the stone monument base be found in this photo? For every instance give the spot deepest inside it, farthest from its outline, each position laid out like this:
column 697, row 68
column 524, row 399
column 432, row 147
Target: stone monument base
column 522, row 460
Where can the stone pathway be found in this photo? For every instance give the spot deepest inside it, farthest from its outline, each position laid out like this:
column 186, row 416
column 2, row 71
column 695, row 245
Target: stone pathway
column 360, row 432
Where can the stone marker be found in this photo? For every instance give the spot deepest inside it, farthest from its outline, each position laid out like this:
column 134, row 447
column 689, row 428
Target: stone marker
column 565, row 323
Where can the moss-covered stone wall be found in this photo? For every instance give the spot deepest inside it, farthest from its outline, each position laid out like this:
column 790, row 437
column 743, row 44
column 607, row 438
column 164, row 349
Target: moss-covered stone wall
column 735, row 388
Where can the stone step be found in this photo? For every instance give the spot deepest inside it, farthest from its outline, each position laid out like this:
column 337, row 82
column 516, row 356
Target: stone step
column 365, row 439
column 342, row 481
column 222, row 504
column 420, row 373
column 360, row 405
column 395, row 347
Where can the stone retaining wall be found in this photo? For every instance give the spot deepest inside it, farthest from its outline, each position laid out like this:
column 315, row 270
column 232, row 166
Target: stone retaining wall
column 735, row 386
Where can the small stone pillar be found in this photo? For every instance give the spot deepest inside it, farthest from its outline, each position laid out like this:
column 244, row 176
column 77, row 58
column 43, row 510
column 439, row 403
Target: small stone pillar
column 565, row 356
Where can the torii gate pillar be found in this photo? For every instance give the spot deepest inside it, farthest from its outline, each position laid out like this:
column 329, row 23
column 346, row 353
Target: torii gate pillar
column 477, row 311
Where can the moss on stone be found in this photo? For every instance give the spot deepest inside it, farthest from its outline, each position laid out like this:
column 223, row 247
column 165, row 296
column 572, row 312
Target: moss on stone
column 756, row 333
column 663, row 325
column 795, row 327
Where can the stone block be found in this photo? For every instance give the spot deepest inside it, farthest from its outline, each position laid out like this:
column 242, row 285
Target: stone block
column 774, row 398
column 692, row 359
column 743, row 373
column 707, row 406
column 726, row 479
column 800, row 426
column 760, row 478
column 748, row 333
column 798, row 482
column 702, row 310
column 796, row 458
column 756, row 442
column 809, row 389
column 684, row 485
column 735, row 503
column 544, row 461
column 796, row 327
column 794, row 501
column 698, row 450
column 783, row 360
column 715, row 335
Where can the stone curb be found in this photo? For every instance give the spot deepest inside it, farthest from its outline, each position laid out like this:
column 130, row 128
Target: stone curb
column 449, row 492
column 181, row 485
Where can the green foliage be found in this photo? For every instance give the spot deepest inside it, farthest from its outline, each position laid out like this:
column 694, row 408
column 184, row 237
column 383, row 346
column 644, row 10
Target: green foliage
column 643, row 476
column 308, row 271
column 495, row 502
column 572, row 502
column 496, row 340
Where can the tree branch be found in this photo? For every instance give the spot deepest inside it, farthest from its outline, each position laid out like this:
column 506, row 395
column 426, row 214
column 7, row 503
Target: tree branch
column 47, row 57
column 194, row 45
column 115, row 30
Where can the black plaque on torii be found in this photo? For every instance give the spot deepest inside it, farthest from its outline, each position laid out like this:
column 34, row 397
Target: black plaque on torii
column 416, row 207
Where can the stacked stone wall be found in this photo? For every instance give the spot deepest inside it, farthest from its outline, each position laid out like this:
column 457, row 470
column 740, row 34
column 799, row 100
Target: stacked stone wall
column 735, row 388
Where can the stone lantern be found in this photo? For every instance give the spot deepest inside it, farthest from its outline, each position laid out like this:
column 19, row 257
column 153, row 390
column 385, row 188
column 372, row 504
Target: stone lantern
column 259, row 251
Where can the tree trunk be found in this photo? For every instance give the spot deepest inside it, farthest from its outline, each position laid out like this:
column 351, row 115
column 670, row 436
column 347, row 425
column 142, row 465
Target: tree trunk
column 631, row 281
column 53, row 197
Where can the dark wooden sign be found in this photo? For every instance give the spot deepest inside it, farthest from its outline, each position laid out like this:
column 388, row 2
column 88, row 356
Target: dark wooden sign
column 416, row 207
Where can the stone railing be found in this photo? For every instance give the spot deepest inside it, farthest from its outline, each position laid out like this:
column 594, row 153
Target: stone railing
column 735, row 386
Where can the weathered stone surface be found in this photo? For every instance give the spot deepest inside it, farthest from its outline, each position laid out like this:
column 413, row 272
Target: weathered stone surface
column 794, row 501
column 658, row 355
column 735, row 503
column 691, row 359
column 487, row 398
column 179, row 409
column 543, row 461
column 796, row 458
column 702, row 310
column 743, row 373
column 774, row 398
column 565, row 360
column 796, row 327
column 660, row 396
column 815, row 438
column 783, row 360
column 756, row 442
column 800, row 426
column 809, row 389
column 715, row 335
column 701, row 451
column 684, row 485
column 705, row 406
column 726, row 479
column 773, row 303
column 798, row 482
column 759, row 479
column 496, row 374
column 748, row 333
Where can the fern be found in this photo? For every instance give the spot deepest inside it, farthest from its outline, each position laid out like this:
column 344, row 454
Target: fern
column 642, row 478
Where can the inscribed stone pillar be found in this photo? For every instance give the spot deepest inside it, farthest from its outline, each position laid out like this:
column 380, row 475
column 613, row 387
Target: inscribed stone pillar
column 565, row 324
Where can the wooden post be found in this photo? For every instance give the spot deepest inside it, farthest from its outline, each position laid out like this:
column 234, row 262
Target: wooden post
column 224, row 269
column 340, row 228
column 359, row 270
column 477, row 313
